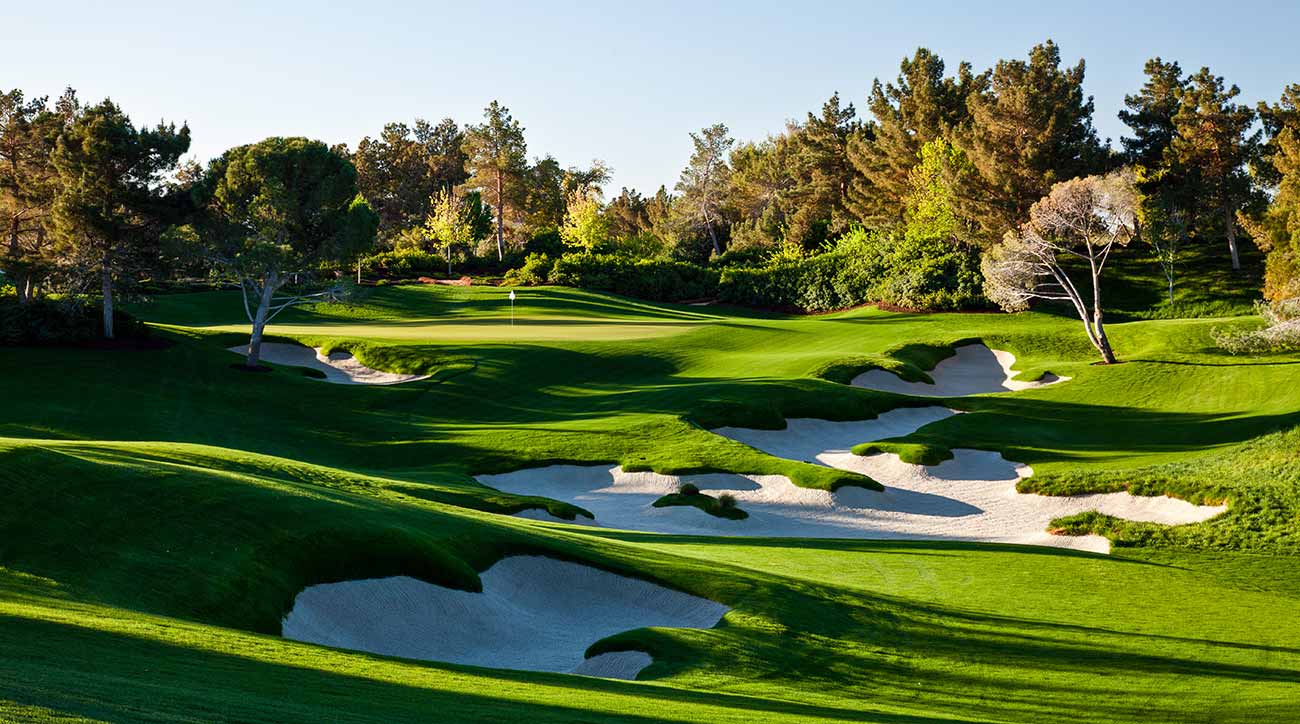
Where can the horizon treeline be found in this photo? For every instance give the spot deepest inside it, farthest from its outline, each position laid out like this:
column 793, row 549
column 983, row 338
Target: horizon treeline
column 940, row 163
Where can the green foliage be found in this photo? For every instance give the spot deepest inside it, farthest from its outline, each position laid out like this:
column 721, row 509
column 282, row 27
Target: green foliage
column 723, row 506
column 1030, row 128
column 688, row 489
column 908, row 452
column 652, row 279
column 61, row 322
column 535, row 271
column 400, row 172
column 919, row 107
column 281, row 206
column 586, row 228
column 404, row 263
column 864, row 267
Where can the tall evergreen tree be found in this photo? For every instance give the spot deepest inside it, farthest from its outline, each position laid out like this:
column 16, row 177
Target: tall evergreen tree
column 763, row 190
column 918, row 107
column 1150, row 113
column 112, row 205
column 1030, row 129
column 1212, row 146
column 1277, row 229
column 29, row 130
column 825, row 172
column 497, row 157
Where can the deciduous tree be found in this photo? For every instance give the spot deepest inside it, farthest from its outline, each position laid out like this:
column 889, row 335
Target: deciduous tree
column 1079, row 222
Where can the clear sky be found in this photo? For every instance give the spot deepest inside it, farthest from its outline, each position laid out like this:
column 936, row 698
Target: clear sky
column 624, row 82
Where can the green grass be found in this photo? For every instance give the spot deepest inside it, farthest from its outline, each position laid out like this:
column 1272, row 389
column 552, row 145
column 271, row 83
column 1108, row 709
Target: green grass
column 705, row 502
column 160, row 510
column 914, row 453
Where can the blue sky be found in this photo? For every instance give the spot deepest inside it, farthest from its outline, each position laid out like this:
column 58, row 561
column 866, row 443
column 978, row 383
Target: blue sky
column 624, row 82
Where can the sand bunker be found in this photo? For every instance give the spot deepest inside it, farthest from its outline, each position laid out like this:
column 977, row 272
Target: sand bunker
column 971, row 497
column 973, row 370
column 341, row 368
column 535, row 613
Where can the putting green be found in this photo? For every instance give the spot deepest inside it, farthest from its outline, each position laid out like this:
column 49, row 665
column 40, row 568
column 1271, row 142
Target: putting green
column 481, row 329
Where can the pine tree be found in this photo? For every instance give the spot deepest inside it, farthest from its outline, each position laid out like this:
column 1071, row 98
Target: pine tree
column 704, row 181
column 1212, row 145
column 112, row 207
column 1030, row 129
column 1150, row 113
column 920, row 106
column 824, row 170
column 497, row 159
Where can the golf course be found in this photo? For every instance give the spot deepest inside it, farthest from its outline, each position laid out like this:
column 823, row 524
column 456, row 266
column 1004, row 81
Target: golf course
column 159, row 528
column 887, row 363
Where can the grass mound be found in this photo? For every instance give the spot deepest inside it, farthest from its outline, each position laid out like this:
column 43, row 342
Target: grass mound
column 723, row 506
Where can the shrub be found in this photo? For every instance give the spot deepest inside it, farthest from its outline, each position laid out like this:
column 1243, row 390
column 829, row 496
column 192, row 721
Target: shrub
column 889, row 268
column 536, row 270
column 688, row 489
column 404, row 263
column 726, row 501
column 61, row 322
column 1281, row 333
column 653, row 279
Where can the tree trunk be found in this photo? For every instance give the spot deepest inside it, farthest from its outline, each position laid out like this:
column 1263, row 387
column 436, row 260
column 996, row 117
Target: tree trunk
column 713, row 236
column 1100, row 340
column 501, row 235
column 21, row 280
column 1097, row 330
column 358, row 271
column 1231, row 221
column 269, row 285
column 106, row 288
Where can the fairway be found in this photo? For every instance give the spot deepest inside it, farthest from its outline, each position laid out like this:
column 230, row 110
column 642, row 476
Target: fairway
column 717, row 364
column 337, row 483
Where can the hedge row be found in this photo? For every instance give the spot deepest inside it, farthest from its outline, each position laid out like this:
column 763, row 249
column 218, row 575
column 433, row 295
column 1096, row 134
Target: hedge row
column 863, row 268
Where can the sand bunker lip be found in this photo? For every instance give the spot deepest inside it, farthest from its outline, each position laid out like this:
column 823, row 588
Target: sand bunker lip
column 534, row 614
column 341, row 368
column 973, row 370
column 972, row 497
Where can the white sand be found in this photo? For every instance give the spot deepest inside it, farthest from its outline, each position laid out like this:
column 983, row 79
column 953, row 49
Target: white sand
column 535, row 614
column 971, row 497
column 341, row 368
column 974, row 369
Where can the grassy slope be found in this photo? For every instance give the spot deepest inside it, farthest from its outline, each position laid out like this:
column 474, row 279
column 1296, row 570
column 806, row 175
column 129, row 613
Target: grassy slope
column 121, row 559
